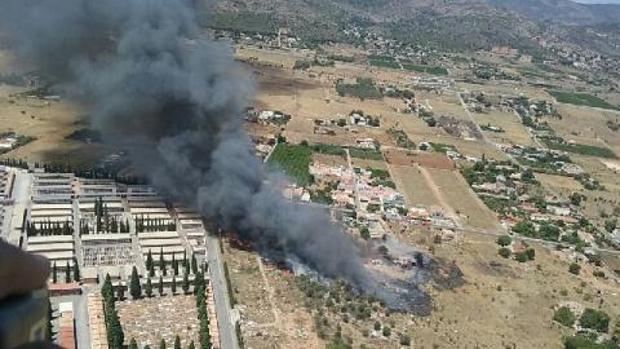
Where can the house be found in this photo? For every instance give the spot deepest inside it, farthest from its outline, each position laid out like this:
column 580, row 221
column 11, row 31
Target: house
column 557, row 210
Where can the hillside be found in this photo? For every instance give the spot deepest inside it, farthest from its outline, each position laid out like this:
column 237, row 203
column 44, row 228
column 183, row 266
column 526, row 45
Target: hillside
column 445, row 24
column 563, row 12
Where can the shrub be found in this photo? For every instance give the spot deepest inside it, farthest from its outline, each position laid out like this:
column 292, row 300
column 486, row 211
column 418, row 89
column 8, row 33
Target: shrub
column 581, row 342
column 405, row 340
column 574, row 268
column 504, row 252
column 387, row 331
column 564, row 316
column 504, row 240
column 594, row 319
column 521, row 257
column 531, row 253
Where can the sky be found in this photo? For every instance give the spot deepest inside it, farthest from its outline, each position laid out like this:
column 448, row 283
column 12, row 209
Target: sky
column 598, row 1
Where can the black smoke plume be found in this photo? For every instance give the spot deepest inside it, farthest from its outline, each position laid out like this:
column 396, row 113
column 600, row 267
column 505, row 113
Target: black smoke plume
column 156, row 86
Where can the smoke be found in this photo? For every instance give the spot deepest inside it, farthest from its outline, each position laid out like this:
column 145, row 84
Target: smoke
column 156, row 86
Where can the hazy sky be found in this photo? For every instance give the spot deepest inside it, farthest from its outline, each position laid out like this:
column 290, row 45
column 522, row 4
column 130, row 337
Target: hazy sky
column 598, row 1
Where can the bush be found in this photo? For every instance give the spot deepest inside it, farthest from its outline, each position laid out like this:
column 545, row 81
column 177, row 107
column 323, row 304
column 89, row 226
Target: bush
column 405, row 340
column 531, row 253
column 574, row 268
column 594, row 319
column 504, row 240
column 387, row 331
column 521, row 257
column 565, row 316
column 581, row 342
column 504, row 252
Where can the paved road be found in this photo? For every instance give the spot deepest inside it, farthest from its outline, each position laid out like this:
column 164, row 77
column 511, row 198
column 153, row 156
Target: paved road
column 228, row 336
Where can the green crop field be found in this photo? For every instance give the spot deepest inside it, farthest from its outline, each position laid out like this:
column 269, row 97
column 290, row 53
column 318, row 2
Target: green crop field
column 428, row 69
column 294, row 161
column 582, row 149
column 581, row 99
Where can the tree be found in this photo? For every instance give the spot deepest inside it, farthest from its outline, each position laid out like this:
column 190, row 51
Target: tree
column 120, row 292
column 135, row 289
column 405, row 340
column 531, row 253
column 594, row 319
column 574, row 268
column 173, row 287
column 564, row 316
column 148, row 289
column 162, row 263
column 50, row 317
column 194, row 264
column 521, row 257
column 191, row 345
column 504, row 240
column 68, row 273
column 162, row 344
column 76, row 271
column 504, row 252
column 133, row 344
column 377, row 326
column 387, row 331
column 610, row 225
column 54, row 273
column 365, row 233
column 161, row 286
column 185, row 284
column 177, row 342
column 107, row 291
column 175, row 265
column 149, row 264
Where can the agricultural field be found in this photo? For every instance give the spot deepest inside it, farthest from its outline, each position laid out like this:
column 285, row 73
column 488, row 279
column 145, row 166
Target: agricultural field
column 584, row 99
column 464, row 202
column 293, row 160
column 413, row 185
column 513, row 130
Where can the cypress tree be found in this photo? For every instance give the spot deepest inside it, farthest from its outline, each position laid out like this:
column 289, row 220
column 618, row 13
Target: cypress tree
column 162, row 344
column 162, row 263
column 148, row 289
column 177, row 342
column 174, row 285
column 107, row 291
column 54, row 273
column 185, row 284
column 133, row 344
column 134, row 286
column 194, row 264
column 161, row 286
column 149, row 264
column 191, row 345
column 76, row 271
column 175, row 265
column 68, row 273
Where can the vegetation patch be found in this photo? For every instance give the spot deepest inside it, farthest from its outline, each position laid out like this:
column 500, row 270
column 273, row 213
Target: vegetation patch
column 368, row 154
column 364, row 88
column 577, row 98
column 294, row 161
column 248, row 22
column 428, row 69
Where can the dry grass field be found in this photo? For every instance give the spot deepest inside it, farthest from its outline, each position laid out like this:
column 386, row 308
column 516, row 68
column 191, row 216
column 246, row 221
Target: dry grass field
column 472, row 210
column 273, row 315
column 587, row 126
column 515, row 132
column 410, row 181
column 506, row 304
